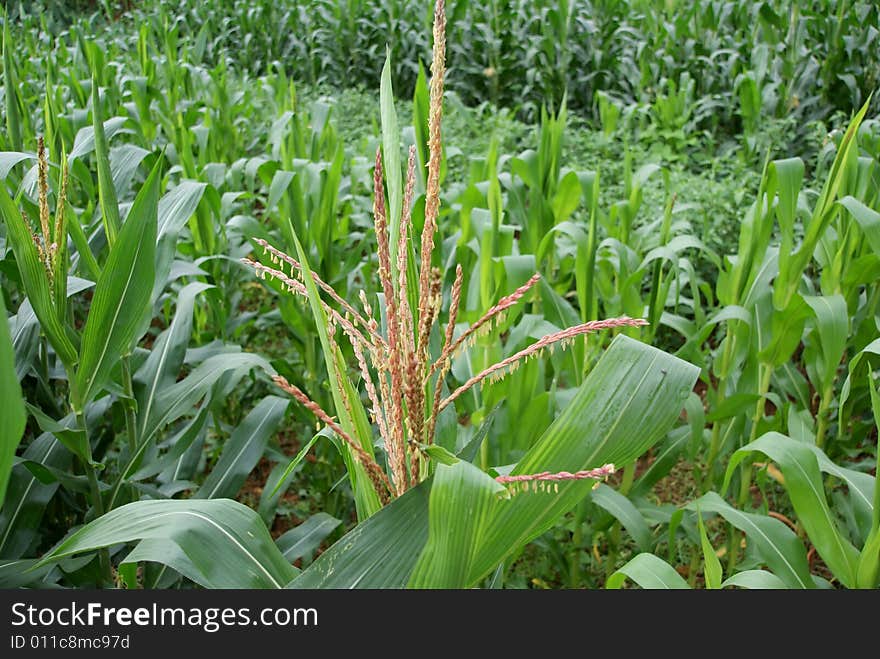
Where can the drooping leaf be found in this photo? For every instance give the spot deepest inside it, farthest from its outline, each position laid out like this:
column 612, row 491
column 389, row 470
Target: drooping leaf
column 777, row 544
column 225, row 542
column 648, row 571
column 803, row 482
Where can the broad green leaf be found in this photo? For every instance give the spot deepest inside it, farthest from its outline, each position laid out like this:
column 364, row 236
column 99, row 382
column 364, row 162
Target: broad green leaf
column 863, row 357
column 9, row 159
column 785, row 331
column 226, row 542
column 304, row 539
column 84, row 142
column 25, row 329
column 803, row 481
column 180, row 398
column 179, row 444
column 867, row 218
column 243, row 449
column 20, row 573
column 124, row 161
column 832, row 327
column 755, row 580
column 624, row 512
column 792, row 267
column 776, row 543
column 122, row 295
column 567, row 197
column 12, row 413
column 380, row 552
column 280, row 182
column 459, row 512
column 625, row 405
column 868, row 571
column 175, row 208
column 648, row 571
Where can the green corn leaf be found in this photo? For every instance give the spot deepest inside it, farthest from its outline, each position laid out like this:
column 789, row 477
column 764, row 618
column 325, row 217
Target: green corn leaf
column 803, row 481
column 380, row 552
column 11, row 95
column 391, row 158
column 12, row 413
column 9, row 159
column 160, row 370
column 623, row 510
column 867, row 218
column 648, row 571
column 73, row 438
column 180, row 398
column 225, row 542
column 832, row 328
column 421, row 111
column 756, row 580
column 21, row 573
column 304, row 539
column 711, row 565
column 776, row 543
column 791, row 269
column 467, row 495
column 175, row 208
column 106, row 189
column 243, row 449
column 122, row 295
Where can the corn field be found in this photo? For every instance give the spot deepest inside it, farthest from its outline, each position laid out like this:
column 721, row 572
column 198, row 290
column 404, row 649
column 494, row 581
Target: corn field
column 358, row 294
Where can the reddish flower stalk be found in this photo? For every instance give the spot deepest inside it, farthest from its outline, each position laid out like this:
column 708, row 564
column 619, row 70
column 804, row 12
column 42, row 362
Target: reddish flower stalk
column 397, row 448
column 545, row 476
column 446, row 356
column 545, row 342
column 432, row 187
column 503, row 304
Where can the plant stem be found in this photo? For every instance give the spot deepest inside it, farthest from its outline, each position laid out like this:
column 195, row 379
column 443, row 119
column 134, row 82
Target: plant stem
column 715, row 443
column 823, row 416
column 746, row 469
column 97, row 501
column 130, row 421
column 577, row 540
